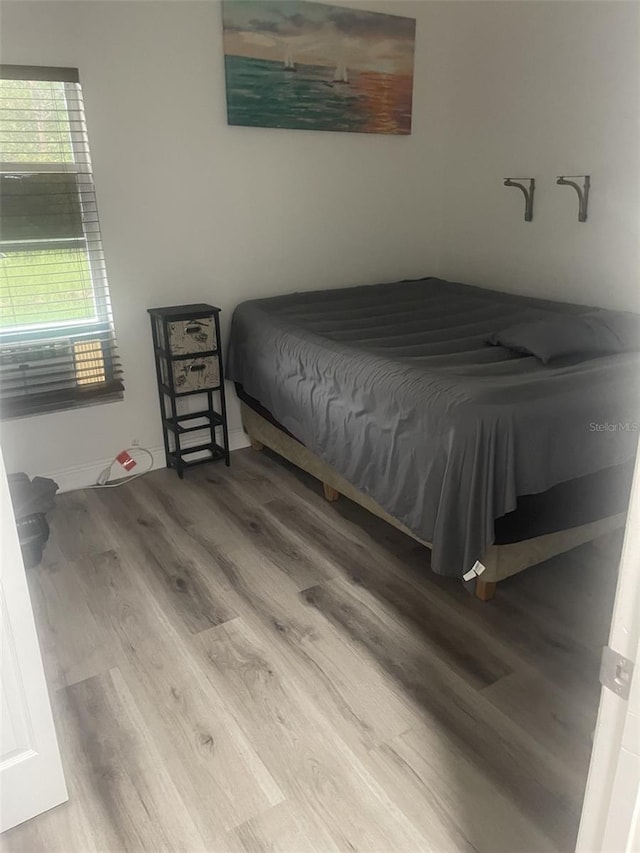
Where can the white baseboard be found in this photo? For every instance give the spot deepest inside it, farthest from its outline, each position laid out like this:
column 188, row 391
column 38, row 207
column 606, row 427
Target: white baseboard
column 81, row 476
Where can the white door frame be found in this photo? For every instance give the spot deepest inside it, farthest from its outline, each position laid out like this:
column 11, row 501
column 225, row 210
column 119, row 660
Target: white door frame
column 612, row 799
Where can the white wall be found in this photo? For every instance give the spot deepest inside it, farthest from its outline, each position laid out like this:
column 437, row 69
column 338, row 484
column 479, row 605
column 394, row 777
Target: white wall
column 192, row 209
column 542, row 89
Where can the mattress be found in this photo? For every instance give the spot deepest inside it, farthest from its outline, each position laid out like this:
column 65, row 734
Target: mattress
column 395, row 387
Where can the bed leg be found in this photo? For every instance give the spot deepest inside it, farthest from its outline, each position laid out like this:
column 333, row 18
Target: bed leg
column 330, row 493
column 255, row 444
column 485, row 590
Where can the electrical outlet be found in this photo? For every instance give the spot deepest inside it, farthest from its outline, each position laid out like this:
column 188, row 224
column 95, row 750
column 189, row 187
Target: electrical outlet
column 135, row 442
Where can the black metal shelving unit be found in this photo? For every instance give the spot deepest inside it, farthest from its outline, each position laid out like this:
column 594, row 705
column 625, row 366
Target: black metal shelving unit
column 187, row 349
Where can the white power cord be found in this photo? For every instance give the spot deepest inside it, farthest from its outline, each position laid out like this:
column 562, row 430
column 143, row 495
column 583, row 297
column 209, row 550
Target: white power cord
column 104, row 482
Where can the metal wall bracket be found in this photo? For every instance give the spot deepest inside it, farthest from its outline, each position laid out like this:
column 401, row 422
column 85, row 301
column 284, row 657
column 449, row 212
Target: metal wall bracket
column 582, row 191
column 616, row 672
column 526, row 191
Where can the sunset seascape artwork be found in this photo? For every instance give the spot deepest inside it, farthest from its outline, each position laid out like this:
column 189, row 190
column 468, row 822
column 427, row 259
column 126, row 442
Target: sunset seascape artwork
column 312, row 66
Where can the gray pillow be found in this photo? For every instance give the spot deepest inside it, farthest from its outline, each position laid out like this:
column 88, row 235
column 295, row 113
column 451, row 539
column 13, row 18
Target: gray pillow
column 595, row 333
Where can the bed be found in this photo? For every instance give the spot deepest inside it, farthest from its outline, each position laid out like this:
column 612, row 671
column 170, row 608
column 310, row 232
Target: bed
column 392, row 395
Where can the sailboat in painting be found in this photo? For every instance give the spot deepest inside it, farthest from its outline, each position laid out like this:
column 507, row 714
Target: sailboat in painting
column 341, row 75
column 289, row 64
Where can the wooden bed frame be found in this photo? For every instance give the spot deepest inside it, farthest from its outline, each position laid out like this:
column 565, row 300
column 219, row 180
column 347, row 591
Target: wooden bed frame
column 500, row 561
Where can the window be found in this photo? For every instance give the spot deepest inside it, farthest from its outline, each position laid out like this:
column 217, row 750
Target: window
column 57, row 342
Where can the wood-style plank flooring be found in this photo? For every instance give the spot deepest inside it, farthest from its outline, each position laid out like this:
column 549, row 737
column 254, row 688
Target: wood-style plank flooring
column 237, row 665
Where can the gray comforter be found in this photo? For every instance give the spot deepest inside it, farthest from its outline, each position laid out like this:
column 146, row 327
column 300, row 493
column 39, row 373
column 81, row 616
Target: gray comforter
column 395, row 386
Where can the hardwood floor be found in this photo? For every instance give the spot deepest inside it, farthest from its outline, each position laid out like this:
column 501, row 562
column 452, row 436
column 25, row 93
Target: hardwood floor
column 237, row 665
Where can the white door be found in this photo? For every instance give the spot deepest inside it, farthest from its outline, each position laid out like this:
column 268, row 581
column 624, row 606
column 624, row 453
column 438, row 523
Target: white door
column 611, row 809
column 622, row 827
column 31, row 778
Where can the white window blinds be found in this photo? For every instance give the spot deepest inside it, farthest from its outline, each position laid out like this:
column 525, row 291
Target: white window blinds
column 57, row 341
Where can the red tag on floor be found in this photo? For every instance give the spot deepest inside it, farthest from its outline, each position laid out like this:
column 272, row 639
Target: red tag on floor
column 127, row 461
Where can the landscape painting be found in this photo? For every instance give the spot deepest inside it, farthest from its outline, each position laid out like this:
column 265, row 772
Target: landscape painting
column 311, row 66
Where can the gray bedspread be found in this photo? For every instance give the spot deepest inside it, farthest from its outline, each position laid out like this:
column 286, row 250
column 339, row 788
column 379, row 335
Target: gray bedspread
column 395, row 386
